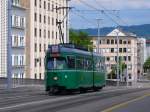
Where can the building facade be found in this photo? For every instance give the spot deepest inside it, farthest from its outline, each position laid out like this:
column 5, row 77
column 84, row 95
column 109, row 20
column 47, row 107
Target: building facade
column 18, row 37
column 141, row 56
column 42, row 30
column 13, row 20
column 148, row 48
column 127, row 53
column 3, row 37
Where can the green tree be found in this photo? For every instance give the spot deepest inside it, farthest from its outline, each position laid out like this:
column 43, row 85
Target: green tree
column 81, row 39
column 147, row 65
column 122, row 67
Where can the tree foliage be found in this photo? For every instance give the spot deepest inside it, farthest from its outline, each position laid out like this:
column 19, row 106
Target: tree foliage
column 147, row 65
column 81, row 38
column 122, row 67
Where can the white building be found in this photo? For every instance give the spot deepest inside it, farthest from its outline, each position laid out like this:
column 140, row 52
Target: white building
column 3, row 37
column 127, row 52
column 42, row 30
column 148, row 48
column 141, row 55
column 14, row 32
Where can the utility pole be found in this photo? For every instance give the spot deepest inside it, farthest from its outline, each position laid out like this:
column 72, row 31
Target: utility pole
column 60, row 22
column 67, row 27
column 9, row 62
column 98, row 35
column 127, row 63
column 117, row 58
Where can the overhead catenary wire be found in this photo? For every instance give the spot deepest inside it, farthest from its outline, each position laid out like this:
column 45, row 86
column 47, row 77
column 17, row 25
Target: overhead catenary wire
column 103, row 11
column 84, row 18
column 118, row 17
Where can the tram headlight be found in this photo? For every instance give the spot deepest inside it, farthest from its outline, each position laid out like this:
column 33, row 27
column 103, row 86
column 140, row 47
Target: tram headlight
column 55, row 78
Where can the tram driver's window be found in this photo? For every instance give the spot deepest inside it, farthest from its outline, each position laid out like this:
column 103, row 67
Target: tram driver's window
column 71, row 61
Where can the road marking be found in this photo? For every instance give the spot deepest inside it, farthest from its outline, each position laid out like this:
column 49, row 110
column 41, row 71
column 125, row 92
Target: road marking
column 125, row 103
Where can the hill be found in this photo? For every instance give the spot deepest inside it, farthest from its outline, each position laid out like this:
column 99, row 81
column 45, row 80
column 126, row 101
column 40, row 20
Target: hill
column 139, row 30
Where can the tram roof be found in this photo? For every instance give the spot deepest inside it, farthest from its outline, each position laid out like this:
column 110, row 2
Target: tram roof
column 73, row 49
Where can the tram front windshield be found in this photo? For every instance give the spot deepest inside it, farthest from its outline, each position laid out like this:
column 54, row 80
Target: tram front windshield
column 56, row 63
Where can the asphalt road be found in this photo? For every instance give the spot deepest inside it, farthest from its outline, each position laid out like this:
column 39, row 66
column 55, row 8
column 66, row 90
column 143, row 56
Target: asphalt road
column 34, row 99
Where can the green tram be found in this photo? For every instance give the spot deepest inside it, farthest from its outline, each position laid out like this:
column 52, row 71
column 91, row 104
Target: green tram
column 68, row 67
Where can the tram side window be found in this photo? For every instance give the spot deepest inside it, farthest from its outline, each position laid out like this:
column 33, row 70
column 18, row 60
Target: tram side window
column 71, row 62
column 79, row 64
column 97, row 65
column 102, row 64
column 89, row 65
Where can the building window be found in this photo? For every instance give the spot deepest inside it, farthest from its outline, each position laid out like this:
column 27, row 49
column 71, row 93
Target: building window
column 44, row 4
column 48, row 34
column 15, row 40
column 124, row 42
column 22, row 41
column 40, row 76
column 35, row 62
column 35, row 16
column 120, row 50
column 124, row 50
column 108, row 58
column 40, row 4
column 40, row 33
column 129, row 58
column 35, row 47
column 40, row 48
column 56, row 35
column 22, row 22
column 40, row 63
column 52, row 34
column 44, row 33
column 120, row 41
column 21, row 60
column 112, row 50
column 112, row 41
column 16, row 2
column 52, row 21
column 44, row 19
column 130, row 77
column 108, row 41
column 18, row 41
column 52, row 7
column 100, row 42
column 129, row 42
column 48, row 6
column 35, row 32
column 35, row 3
column 40, row 18
column 16, row 60
column 48, row 20
column 116, row 41
column 125, row 58
column 35, row 76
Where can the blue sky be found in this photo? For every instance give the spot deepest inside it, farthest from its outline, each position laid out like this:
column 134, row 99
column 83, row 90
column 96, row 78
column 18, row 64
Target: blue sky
column 131, row 12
